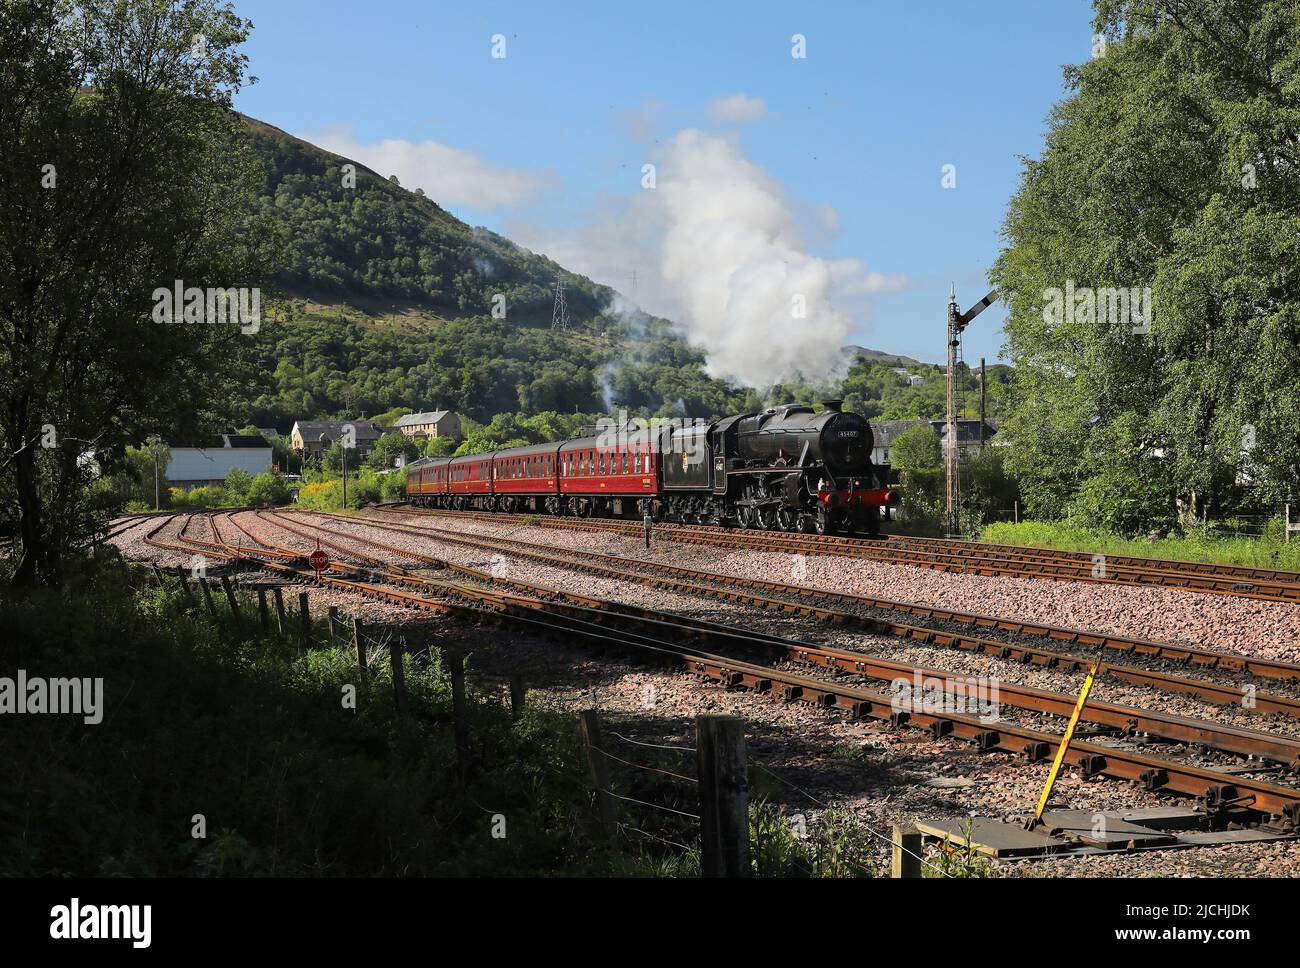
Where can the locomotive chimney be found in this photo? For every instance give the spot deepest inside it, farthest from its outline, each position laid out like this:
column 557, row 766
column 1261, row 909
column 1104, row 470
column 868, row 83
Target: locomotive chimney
column 833, row 406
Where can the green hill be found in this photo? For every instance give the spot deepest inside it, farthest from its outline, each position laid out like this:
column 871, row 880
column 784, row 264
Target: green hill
column 388, row 307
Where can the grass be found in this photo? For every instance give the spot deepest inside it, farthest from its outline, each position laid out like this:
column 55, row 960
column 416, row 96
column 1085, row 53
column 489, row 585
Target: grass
column 255, row 739
column 1266, row 552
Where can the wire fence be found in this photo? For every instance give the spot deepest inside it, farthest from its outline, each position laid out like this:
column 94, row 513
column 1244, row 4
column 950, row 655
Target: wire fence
column 651, row 782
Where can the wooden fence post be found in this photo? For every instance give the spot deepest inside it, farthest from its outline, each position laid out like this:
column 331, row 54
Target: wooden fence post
column 599, row 767
column 906, row 860
column 234, row 604
column 460, row 715
column 396, row 655
column 185, row 583
column 279, row 610
column 263, row 613
column 332, row 621
column 359, row 642
column 304, row 616
column 724, row 796
column 207, row 595
column 517, row 694
column 158, row 572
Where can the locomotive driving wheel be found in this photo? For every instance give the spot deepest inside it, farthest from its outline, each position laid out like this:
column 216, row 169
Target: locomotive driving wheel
column 786, row 518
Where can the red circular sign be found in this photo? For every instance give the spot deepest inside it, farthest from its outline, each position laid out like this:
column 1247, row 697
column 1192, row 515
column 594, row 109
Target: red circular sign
column 319, row 560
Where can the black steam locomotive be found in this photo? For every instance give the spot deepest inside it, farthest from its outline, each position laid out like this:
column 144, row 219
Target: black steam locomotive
column 788, row 468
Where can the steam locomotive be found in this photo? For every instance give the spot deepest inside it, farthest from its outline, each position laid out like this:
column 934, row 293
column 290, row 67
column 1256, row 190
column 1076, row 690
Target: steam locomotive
column 788, row 468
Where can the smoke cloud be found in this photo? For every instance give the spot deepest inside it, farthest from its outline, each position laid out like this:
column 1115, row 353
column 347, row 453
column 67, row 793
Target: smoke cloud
column 716, row 248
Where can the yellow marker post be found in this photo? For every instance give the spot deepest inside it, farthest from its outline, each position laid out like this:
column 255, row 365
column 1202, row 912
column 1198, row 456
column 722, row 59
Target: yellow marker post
column 1065, row 745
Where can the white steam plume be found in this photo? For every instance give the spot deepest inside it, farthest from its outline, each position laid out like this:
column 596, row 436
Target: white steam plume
column 717, row 249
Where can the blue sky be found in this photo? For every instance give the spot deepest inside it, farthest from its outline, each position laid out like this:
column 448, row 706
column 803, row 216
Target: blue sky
column 551, row 139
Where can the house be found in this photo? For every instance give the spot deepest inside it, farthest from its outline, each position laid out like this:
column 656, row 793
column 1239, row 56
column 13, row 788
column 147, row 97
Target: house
column 432, row 423
column 968, row 434
column 885, row 432
column 311, row 438
column 208, row 464
column 915, row 380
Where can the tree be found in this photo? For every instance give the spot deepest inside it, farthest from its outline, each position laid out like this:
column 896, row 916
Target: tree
column 389, row 447
column 125, row 171
column 915, row 449
column 267, row 488
column 237, row 483
column 1171, row 166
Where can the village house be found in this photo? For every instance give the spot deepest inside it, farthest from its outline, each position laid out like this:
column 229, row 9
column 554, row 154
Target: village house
column 430, row 424
column 311, row 438
column 885, row 432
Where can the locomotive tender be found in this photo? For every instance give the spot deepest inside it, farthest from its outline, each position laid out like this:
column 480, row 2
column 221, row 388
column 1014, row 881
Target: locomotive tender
column 786, row 468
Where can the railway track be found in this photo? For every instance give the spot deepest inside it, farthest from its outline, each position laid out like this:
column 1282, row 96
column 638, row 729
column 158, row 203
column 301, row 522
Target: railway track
column 961, row 557
column 818, row 603
column 1231, row 797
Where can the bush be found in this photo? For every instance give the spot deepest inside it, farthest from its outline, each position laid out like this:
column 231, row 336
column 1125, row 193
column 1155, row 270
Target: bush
column 253, row 735
column 267, row 488
column 237, row 483
column 207, row 497
column 392, row 487
column 916, row 449
column 1125, row 501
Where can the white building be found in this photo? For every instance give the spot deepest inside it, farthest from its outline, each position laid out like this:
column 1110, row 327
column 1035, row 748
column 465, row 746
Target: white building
column 192, row 467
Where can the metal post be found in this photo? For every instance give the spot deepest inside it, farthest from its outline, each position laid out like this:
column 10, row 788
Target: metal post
column 983, row 401
column 952, row 522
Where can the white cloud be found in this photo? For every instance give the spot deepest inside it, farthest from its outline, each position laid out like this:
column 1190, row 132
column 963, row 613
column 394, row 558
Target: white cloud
column 717, row 249
column 450, row 176
column 737, row 109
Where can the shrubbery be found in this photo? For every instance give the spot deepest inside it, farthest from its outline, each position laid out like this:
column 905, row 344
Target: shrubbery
column 254, row 737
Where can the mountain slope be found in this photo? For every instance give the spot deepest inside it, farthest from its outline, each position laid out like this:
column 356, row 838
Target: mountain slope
column 376, row 243
column 389, row 309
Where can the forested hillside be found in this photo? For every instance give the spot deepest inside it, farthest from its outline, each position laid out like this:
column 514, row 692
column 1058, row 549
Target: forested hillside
column 388, row 307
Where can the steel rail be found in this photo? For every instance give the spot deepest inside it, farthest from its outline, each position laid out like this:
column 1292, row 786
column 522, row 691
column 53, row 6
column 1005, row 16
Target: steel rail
column 1234, row 797
column 615, row 566
column 1127, row 719
column 1003, row 566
